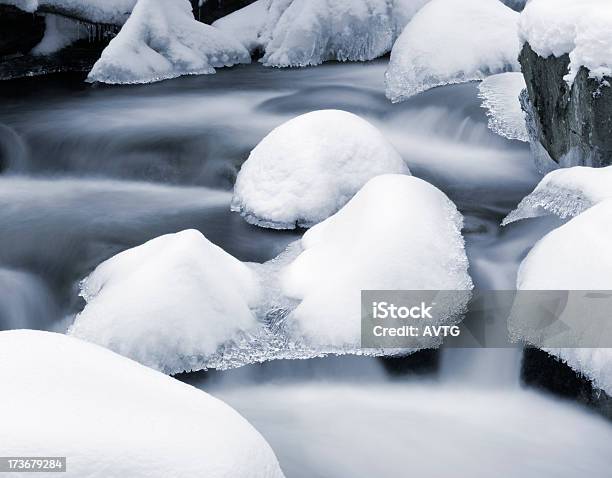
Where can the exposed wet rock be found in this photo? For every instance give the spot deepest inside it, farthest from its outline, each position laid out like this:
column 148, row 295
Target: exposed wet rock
column 210, row 10
column 19, row 31
column 568, row 125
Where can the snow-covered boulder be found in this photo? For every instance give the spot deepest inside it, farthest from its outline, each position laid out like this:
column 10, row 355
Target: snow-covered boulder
column 162, row 40
column 111, row 416
column 246, row 24
column 310, row 32
column 565, row 193
column 309, row 167
column 576, row 256
column 450, row 41
column 168, row 303
column 113, row 12
column 398, row 232
column 500, row 94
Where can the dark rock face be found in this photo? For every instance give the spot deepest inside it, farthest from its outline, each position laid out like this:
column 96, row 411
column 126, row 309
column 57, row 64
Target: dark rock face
column 568, row 126
column 19, row 31
column 543, row 371
column 212, row 10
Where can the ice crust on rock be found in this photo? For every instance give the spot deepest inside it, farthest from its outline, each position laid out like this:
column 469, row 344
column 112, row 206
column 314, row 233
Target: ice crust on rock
column 310, row 32
column 398, row 232
column 309, row 167
column 450, row 41
column 576, row 256
column 578, row 28
column 246, row 24
column 114, row 12
column 60, row 32
column 107, row 413
column 163, row 40
column 565, row 192
column 169, row 303
column 500, row 94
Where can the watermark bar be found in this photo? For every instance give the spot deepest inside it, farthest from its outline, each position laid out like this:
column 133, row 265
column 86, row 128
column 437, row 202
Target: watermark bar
column 402, row 319
column 32, row 464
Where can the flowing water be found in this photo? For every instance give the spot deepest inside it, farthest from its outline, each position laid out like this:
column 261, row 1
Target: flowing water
column 87, row 172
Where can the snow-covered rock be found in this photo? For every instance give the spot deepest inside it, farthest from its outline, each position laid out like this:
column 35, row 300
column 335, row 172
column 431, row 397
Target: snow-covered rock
column 310, row 32
column 113, row 417
column 60, row 32
column 450, row 41
column 576, row 256
column 309, row 167
column 246, row 24
column 162, row 40
column 398, row 232
column 580, row 29
column 168, row 303
column 500, row 94
column 566, row 193
column 114, row 12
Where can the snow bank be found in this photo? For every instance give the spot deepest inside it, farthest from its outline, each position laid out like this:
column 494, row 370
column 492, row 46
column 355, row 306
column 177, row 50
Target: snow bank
column 114, row 12
column 566, row 193
column 310, row 32
column 398, row 232
column 168, row 303
column 246, row 24
column 113, row 417
column 309, row 167
column 576, row 256
column 60, row 32
column 450, row 41
column 578, row 28
column 162, row 40
column 500, row 95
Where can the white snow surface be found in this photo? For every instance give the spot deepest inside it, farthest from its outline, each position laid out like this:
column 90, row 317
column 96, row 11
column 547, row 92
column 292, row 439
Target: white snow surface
column 163, row 40
column 500, row 95
column 398, row 232
column 309, row 167
column 168, row 303
column 577, row 256
column 113, row 12
column 246, row 24
column 450, row 41
column 111, row 416
column 310, row 32
column 60, row 32
column 565, row 192
column 578, row 28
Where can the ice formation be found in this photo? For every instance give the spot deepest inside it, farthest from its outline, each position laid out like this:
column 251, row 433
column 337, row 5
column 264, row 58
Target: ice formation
column 576, row 256
column 246, row 24
column 310, row 32
column 450, row 41
column 60, row 32
column 580, row 29
column 398, row 232
column 566, row 193
column 309, row 167
column 500, row 95
column 169, row 303
column 113, row 12
column 108, row 414
column 162, row 40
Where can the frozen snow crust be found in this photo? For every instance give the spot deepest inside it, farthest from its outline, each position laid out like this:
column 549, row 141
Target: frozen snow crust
column 163, row 40
column 450, row 41
column 578, row 28
column 114, row 417
column 309, row 167
column 169, row 303
column 576, row 256
column 565, row 192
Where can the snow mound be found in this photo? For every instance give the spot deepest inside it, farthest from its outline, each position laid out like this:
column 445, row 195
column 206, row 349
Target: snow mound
column 309, row 167
column 398, row 232
column 576, row 256
column 580, row 29
column 566, row 193
column 246, row 24
column 500, row 95
column 169, row 303
column 310, row 32
column 163, row 40
column 114, row 12
column 113, row 417
column 449, row 41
